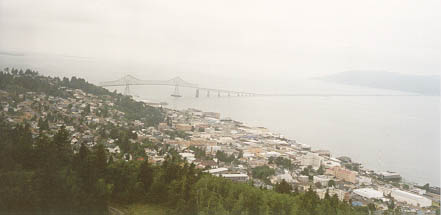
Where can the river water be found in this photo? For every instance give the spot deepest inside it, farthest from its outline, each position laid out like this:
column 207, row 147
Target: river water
column 396, row 133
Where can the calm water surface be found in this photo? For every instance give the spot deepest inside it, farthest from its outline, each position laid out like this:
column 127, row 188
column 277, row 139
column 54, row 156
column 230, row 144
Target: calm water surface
column 397, row 133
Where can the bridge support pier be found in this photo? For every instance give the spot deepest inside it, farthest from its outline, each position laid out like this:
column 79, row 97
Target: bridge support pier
column 218, row 93
column 197, row 93
column 176, row 92
column 208, row 93
column 127, row 90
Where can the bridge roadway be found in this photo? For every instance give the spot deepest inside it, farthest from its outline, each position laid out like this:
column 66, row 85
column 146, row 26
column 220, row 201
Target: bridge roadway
column 177, row 82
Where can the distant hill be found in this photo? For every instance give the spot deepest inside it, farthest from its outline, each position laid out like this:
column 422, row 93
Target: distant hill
column 425, row 85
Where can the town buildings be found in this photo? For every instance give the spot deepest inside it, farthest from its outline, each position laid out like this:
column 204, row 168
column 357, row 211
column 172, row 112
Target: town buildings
column 343, row 174
column 222, row 147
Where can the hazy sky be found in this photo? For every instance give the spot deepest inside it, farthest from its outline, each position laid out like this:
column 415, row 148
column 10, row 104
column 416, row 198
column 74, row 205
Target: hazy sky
column 249, row 39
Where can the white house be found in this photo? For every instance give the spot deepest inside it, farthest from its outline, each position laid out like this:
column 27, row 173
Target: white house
column 272, row 154
column 286, row 176
column 364, row 180
column 322, row 179
column 189, row 156
column 114, row 150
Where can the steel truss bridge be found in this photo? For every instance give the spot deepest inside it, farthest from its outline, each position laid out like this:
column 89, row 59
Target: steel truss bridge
column 177, row 82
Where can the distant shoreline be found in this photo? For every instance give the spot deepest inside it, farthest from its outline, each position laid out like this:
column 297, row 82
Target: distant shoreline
column 420, row 84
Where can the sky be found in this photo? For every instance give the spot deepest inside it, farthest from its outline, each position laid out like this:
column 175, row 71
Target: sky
column 250, row 40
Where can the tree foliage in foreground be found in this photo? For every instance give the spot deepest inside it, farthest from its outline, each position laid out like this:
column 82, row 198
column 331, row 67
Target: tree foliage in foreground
column 44, row 176
column 263, row 173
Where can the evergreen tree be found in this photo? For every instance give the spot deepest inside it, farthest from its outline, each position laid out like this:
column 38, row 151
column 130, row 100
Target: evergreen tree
column 283, row 187
column 87, row 109
column 146, row 175
column 63, row 147
column 100, row 160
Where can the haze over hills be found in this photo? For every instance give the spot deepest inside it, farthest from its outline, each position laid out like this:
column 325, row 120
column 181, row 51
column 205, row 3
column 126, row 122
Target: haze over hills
column 425, row 85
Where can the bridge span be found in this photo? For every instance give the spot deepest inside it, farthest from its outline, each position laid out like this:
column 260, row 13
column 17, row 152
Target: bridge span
column 177, row 82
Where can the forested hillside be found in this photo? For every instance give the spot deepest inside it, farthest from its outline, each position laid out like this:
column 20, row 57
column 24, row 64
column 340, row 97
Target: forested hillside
column 44, row 176
column 41, row 172
column 18, row 81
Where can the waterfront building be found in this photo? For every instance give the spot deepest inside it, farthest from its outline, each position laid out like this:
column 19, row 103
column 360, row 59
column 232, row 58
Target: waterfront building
column 323, row 153
column 410, row 198
column 305, row 147
column 343, row 174
column 311, row 159
column 331, row 163
column 369, row 193
column 390, row 175
column 211, row 115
